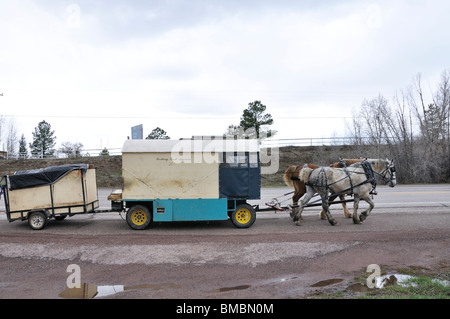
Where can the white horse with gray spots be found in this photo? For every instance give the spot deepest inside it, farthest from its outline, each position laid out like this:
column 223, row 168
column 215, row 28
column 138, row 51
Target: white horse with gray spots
column 358, row 179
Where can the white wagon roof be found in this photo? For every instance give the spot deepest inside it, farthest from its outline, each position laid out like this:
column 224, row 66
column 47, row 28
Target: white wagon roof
column 190, row 146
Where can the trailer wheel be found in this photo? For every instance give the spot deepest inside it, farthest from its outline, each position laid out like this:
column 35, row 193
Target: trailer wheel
column 244, row 216
column 138, row 217
column 37, row 220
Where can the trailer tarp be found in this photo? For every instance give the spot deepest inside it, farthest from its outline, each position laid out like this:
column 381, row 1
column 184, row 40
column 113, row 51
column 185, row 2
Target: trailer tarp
column 42, row 176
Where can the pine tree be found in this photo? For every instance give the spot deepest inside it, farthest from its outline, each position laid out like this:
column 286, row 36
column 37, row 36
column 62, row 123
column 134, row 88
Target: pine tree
column 253, row 118
column 23, row 152
column 43, row 140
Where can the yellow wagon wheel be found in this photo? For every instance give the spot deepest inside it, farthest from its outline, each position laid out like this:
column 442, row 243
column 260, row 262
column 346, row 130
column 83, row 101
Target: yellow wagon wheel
column 244, row 216
column 139, row 217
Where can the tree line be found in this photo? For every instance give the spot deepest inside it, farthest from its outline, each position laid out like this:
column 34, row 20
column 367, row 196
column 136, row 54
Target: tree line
column 43, row 140
column 413, row 127
column 253, row 124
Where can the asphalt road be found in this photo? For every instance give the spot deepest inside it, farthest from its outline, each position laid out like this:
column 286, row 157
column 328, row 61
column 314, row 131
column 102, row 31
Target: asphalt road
column 409, row 227
column 410, row 199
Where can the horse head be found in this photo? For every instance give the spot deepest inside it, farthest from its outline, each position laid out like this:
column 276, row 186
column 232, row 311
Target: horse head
column 392, row 172
column 385, row 169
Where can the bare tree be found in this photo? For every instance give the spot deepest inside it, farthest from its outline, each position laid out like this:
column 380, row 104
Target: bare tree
column 12, row 139
column 432, row 141
column 8, row 135
column 71, row 149
column 414, row 129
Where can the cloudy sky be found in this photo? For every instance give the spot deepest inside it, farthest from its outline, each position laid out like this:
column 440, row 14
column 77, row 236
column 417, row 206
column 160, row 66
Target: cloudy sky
column 93, row 69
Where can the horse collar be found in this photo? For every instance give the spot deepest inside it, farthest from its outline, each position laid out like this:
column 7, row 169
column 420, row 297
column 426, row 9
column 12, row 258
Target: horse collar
column 368, row 170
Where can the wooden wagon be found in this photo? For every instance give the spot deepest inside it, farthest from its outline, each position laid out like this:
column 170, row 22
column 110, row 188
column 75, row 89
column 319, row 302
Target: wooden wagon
column 188, row 180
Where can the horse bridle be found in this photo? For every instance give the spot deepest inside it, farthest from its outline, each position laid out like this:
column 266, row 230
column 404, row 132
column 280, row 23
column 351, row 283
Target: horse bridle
column 390, row 167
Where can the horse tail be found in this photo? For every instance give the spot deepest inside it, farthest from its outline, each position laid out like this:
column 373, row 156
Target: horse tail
column 288, row 175
column 304, row 174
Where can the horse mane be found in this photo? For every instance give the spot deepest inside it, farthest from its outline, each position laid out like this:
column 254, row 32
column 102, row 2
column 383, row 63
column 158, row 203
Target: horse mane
column 377, row 163
column 347, row 162
column 304, row 174
column 293, row 172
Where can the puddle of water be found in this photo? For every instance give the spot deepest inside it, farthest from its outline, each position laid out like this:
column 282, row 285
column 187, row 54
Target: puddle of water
column 327, row 282
column 398, row 279
column 108, row 290
column 358, row 288
column 89, row 291
column 286, row 279
column 85, row 291
column 241, row 287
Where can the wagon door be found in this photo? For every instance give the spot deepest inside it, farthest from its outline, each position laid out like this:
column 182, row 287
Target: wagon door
column 239, row 176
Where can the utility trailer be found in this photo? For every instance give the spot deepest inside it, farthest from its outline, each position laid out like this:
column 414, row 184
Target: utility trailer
column 51, row 192
column 188, row 180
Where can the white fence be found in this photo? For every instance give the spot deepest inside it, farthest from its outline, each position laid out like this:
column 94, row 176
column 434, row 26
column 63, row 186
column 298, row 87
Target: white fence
column 266, row 143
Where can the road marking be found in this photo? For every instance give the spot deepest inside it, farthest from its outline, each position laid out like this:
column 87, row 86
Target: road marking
column 438, row 192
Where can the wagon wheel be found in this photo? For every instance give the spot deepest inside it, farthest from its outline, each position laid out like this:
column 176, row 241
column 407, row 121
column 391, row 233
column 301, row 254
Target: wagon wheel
column 244, row 216
column 37, row 220
column 139, row 217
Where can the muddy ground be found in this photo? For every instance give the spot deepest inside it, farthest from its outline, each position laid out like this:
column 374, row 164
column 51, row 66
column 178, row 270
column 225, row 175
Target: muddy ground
column 215, row 260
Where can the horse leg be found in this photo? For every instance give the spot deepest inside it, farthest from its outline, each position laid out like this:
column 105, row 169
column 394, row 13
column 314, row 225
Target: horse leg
column 355, row 210
column 323, row 214
column 297, row 212
column 344, row 206
column 300, row 190
column 325, row 207
column 366, row 213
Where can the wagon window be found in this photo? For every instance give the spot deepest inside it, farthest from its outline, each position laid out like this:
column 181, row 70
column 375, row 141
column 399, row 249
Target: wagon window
column 253, row 158
column 235, row 160
column 230, row 160
column 242, row 160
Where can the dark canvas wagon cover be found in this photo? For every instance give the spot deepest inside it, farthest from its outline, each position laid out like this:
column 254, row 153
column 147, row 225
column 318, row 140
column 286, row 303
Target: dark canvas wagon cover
column 42, row 176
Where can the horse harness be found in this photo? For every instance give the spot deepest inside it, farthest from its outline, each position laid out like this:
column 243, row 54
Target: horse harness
column 321, row 179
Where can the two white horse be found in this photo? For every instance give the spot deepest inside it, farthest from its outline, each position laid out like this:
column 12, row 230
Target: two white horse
column 358, row 179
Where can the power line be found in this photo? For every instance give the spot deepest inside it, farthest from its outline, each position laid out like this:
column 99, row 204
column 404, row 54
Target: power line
column 170, row 117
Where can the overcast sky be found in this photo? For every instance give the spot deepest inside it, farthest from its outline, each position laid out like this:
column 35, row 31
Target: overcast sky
column 93, row 69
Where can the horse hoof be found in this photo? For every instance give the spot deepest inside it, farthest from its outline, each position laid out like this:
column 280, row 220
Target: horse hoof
column 298, row 223
column 356, row 221
column 333, row 222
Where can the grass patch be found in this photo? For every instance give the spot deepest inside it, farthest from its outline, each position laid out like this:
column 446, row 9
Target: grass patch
column 413, row 288
column 425, row 283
